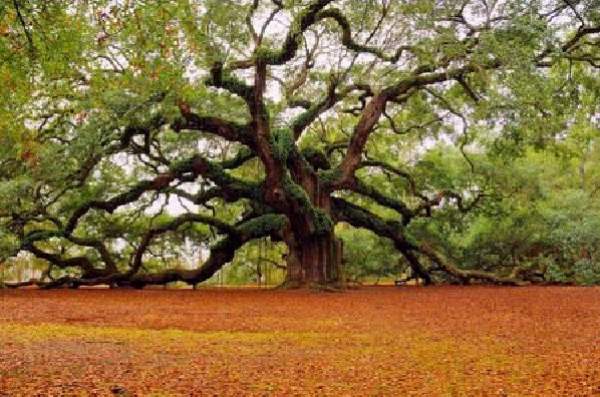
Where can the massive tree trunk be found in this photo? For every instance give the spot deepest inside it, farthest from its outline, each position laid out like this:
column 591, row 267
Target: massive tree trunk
column 316, row 262
column 315, row 254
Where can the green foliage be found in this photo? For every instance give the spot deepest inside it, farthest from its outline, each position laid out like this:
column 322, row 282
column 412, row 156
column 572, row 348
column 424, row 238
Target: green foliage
column 554, row 273
column 93, row 95
column 367, row 255
column 541, row 215
column 586, row 272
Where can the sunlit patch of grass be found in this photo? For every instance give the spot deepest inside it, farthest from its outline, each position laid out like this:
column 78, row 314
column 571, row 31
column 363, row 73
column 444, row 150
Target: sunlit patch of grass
column 459, row 366
column 448, row 365
column 26, row 333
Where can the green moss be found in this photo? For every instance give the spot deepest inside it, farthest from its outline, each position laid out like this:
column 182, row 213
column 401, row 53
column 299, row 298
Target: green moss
column 282, row 142
column 266, row 54
column 295, row 192
column 243, row 155
column 231, row 83
column 216, row 173
column 316, row 158
column 305, row 118
column 263, row 225
column 327, row 177
column 322, row 221
column 309, row 152
column 40, row 235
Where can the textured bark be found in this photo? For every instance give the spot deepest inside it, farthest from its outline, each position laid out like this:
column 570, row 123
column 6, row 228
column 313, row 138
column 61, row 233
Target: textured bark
column 316, row 262
column 315, row 254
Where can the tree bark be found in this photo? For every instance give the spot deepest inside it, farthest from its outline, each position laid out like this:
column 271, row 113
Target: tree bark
column 315, row 254
column 316, row 262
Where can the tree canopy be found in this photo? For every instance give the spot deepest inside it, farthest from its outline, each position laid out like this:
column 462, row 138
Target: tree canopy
column 461, row 132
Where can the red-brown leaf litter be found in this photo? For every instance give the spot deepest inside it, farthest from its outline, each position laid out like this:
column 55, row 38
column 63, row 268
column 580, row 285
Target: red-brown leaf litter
column 439, row 341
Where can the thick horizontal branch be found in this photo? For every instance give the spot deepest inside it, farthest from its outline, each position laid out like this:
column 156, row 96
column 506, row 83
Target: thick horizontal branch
column 381, row 199
column 222, row 253
column 194, row 166
column 229, row 188
column 214, row 125
column 81, row 262
column 466, row 276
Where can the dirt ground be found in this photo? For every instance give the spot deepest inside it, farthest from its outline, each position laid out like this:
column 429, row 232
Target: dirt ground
column 373, row 341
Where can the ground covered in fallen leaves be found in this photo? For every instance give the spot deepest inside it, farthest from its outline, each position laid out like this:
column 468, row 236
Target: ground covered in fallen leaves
column 372, row 341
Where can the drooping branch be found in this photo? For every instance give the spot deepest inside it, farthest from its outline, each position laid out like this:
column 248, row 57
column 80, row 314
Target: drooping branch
column 174, row 224
column 465, row 276
column 221, row 253
column 81, row 262
column 193, row 166
column 359, row 217
column 345, row 211
column 368, row 191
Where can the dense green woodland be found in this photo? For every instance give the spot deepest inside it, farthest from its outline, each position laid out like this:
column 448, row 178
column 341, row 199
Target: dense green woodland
column 307, row 143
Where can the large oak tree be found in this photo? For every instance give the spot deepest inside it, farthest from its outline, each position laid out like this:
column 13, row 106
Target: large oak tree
column 262, row 118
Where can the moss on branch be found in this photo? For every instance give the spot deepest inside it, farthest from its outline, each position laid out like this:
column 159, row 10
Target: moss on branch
column 282, row 142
